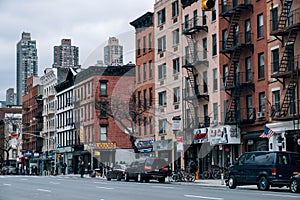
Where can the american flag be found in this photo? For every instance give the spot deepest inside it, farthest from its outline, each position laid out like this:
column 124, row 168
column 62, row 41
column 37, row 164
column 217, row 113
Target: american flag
column 268, row 133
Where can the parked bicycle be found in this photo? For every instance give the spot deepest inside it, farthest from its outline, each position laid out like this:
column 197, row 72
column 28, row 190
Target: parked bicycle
column 182, row 176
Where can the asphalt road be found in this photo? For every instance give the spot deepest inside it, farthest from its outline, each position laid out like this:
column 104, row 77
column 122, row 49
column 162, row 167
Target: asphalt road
column 76, row 188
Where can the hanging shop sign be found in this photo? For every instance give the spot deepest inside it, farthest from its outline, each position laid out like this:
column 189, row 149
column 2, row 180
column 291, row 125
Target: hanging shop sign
column 106, row 145
column 200, row 135
column 144, row 145
column 179, row 142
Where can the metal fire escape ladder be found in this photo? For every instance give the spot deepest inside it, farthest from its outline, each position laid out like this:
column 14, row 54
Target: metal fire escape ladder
column 286, row 8
column 284, row 62
column 289, row 95
column 231, row 31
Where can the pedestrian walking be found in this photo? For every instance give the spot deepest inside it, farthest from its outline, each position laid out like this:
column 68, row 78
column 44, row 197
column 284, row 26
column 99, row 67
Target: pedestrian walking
column 63, row 168
column 89, row 168
column 82, row 168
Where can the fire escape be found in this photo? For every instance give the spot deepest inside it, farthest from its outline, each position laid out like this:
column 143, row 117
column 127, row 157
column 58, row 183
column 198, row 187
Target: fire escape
column 285, row 28
column 234, row 44
column 192, row 62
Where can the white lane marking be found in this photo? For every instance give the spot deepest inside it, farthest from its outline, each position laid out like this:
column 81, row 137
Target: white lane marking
column 54, row 183
column 103, row 183
column 106, row 188
column 281, row 195
column 43, row 190
column 24, row 179
column 6, row 184
column 202, row 197
column 165, row 187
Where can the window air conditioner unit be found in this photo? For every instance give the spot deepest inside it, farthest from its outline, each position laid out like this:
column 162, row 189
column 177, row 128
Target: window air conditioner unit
column 260, row 115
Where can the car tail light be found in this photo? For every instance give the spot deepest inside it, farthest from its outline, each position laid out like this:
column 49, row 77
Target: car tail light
column 165, row 169
column 148, row 168
column 274, row 171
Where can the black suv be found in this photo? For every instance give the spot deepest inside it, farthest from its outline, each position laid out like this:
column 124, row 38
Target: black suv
column 146, row 169
column 264, row 169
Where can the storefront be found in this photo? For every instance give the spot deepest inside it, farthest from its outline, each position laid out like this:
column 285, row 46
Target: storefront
column 286, row 137
column 163, row 149
column 225, row 144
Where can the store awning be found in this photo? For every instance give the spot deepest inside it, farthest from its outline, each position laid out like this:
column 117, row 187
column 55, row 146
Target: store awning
column 252, row 135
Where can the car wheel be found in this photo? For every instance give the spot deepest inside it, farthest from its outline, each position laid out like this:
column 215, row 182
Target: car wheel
column 109, row 179
column 147, row 180
column 232, row 182
column 119, row 177
column 294, row 186
column 140, row 178
column 161, row 180
column 126, row 177
column 263, row 184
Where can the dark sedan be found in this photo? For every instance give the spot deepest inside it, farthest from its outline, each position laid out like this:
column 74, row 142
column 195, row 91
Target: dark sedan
column 117, row 172
column 295, row 183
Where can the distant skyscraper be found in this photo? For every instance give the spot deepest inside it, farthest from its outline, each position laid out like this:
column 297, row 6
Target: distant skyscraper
column 27, row 64
column 113, row 52
column 11, row 97
column 65, row 56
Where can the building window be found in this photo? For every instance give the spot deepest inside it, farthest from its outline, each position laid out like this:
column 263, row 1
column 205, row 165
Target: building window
column 249, row 107
column 150, row 41
column 215, row 79
column 176, row 95
column 139, row 73
column 161, row 42
column 139, row 47
column 144, row 44
column 145, row 126
column 140, row 126
column 248, row 69
column 145, row 71
column 247, row 31
column 204, row 18
column 176, row 69
column 103, row 132
column 150, row 125
column 195, row 18
column 260, row 26
column 205, row 88
column 213, row 14
column 150, row 69
column 161, row 17
column 262, row 106
column 162, row 126
column 274, row 19
column 103, row 88
column 204, row 46
column 103, row 110
column 145, row 98
column 276, row 100
column 150, row 96
column 139, row 99
column 186, row 22
column 261, row 66
column 175, row 9
column 275, row 60
column 175, row 34
column 162, row 71
column 162, row 98
column 214, row 44
column 215, row 111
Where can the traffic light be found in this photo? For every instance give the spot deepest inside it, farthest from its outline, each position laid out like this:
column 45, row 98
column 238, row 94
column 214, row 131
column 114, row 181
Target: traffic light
column 207, row 5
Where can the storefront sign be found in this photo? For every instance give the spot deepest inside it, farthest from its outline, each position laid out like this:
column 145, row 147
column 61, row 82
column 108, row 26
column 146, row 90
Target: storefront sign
column 106, row 145
column 200, row 135
column 176, row 123
column 144, row 145
column 224, row 135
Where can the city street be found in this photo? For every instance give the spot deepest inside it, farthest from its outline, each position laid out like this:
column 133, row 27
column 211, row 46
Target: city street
column 76, row 188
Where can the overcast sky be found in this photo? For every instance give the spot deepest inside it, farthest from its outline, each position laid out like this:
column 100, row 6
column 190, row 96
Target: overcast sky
column 89, row 23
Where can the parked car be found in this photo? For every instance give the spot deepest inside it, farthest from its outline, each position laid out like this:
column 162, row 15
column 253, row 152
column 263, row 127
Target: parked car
column 147, row 169
column 295, row 183
column 264, row 169
column 117, row 172
column 6, row 170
